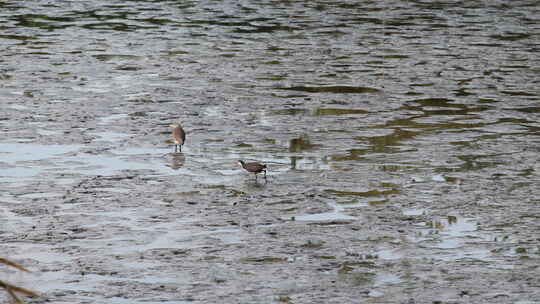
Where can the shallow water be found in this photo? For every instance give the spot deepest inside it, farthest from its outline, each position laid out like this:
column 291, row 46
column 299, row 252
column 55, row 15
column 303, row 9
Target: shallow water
column 400, row 137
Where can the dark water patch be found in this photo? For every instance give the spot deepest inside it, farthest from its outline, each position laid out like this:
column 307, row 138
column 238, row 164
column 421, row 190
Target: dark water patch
column 376, row 64
column 332, row 33
column 517, row 121
column 115, row 57
column 393, row 56
column 331, row 222
column 113, row 26
column 486, row 44
column 429, row 84
column 353, row 155
column 449, row 125
column 371, row 193
column 274, row 62
column 220, row 23
column 333, row 89
column 270, row 141
column 438, row 102
column 388, row 143
column 508, row 36
column 244, row 145
column 291, row 111
column 520, row 93
column 528, row 110
column 301, row 144
column 39, row 53
column 377, row 202
column 177, row 53
column 313, row 244
column 125, row 67
column 398, row 23
column 111, row 12
column 487, row 100
column 39, row 21
column 276, row 48
column 474, row 162
column 156, row 21
column 263, row 260
column 332, row 75
column 325, row 112
column 365, row 20
column 462, row 92
column 17, row 37
column 255, row 29
column 291, row 96
column 356, row 278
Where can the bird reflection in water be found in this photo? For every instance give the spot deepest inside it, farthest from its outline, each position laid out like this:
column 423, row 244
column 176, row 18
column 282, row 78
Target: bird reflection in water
column 177, row 160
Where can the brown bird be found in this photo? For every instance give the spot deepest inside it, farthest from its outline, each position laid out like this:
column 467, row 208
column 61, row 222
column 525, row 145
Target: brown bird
column 254, row 167
column 179, row 137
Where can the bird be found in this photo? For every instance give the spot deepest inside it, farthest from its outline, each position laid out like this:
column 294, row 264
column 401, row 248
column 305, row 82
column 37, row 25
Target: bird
column 253, row 167
column 179, row 137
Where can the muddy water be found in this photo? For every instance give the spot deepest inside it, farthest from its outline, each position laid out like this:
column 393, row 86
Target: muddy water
column 402, row 142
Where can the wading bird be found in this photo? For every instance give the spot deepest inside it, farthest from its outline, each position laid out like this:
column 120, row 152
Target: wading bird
column 254, row 167
column 179, row 137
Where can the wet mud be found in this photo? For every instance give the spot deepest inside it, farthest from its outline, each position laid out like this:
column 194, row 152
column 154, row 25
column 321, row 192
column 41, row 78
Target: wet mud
column 401, row 139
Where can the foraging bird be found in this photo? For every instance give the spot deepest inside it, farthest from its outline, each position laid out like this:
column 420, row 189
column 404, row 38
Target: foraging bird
column 254, row 167
column 179, row 136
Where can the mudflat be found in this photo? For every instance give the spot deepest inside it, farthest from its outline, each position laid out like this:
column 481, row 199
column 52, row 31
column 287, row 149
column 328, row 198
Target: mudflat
column 401, row 141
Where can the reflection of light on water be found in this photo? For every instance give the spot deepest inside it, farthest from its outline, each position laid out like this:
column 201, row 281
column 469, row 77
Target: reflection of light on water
column 113, row 117
column 11, row 153
column 18, row 107
column 8, row 174
column 451, row 230
column 16, row 154
column 450, row 236
column 42, row 195
column 380, row 281
column 375, row 293
column 179, row 240
column 138, row 150
column 40, row 252
column 386, row 278
column 60, row 158
column 414, row 211
column 47, row 132
column 307, row 163
column 110, row 165
column 336, row 214
column 388, row 254
column 110, row 136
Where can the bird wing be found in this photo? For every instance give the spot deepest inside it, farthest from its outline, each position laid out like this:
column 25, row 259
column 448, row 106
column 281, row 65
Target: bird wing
column 183, row 134
column 179, row 135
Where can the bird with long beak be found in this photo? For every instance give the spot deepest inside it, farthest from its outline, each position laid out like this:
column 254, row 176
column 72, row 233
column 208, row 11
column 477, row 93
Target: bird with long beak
column 253, row 167
column 179, row 137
